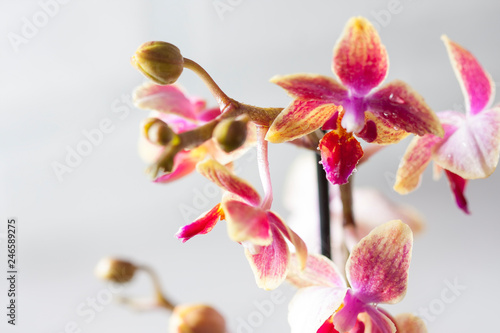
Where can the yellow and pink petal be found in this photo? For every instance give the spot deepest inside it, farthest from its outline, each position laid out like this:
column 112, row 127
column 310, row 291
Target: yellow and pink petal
column 409, row 323
column 319, row 271
column 204, row 224
column 312, row 86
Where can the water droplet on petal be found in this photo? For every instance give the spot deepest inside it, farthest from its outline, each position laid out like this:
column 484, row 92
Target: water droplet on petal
column 396, row 99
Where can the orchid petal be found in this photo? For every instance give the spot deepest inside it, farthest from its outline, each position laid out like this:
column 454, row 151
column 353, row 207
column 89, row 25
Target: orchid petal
column 270, row 265
column 477, row 86
column 377, row 268
column 380, row 131
column 300, row 118
column 204, row 224
column 327, row 326
column 346, row 317
column 399, row 105
column 246, row 223
column 311, row 86
column 340, row 152
column 359, row 58
column 225, row 179
column 298, row 243
column 408, row 323
column 312, row 306
column 473, row 149
column 415, row 160
column 319, row 271
column 380, row 322
column 167, row 99
column 184, row 164
column 457, row 185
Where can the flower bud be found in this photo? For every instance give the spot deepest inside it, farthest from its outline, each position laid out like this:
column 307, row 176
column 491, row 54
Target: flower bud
column 196, row 318
column 159, row 61
column 115, row 270
column 158, row 132
column 231, row 133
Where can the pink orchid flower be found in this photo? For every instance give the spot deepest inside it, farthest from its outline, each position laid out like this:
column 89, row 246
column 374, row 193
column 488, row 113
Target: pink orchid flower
column 377, row 271
column 470, row 148
column 182, row 113
column 380, row 115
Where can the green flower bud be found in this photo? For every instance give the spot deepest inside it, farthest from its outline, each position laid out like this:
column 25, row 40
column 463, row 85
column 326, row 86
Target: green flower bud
column 158, row 132
column 115, row 270
column 159, row 61
column 196, row 318
column 231, row 133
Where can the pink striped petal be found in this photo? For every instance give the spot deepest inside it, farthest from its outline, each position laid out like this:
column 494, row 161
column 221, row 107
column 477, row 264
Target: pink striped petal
column 457, row 185
column 340, row 152
column 473, row 149
column 415, row 160
column 312, row 306
column 381, row 131
column 409, row 323
column 311, row 86
column 246, row 223
column 380, row 323
column 184, row 163
column 359, row 58
column 224, row 178
column 270, row 265
column 319, row 271
column 167, row 99
column 377, row 268
column 403, row 108
column 477, row 85
column 204, row 224
column 346, row 317
column 300, row 118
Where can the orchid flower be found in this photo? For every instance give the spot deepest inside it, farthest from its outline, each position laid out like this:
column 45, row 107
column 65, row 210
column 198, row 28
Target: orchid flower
column 380, row 115
column 471, row 146
column 250, row 221
column 182, row 113
column 377, row 271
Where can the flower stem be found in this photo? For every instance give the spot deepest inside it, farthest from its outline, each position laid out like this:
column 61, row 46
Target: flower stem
column 324, row 209
column 346, row 197
column 263, row 163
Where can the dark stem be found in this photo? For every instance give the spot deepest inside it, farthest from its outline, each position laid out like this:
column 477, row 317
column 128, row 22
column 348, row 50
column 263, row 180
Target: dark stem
column 324, row 209
column 346, row 197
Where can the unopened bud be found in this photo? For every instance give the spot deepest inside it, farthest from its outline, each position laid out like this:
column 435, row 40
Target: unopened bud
column 231, row 134
column 115, row 270
column 158, row 132
column 160, row 61
column 196, row 318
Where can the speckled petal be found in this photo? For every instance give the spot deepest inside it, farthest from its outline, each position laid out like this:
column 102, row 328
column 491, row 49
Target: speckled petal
column 204, row 224
column 319, row 271
column 399, row 105
column 409, row 323
column 167, row 99
column 246, row 223
column 381, row 131
column 270, row 265
column 377, row 268
column 312, row 306
column 311, row 86
column 300, row 118
column 415, row 160
column 340, row 152
column 472, row 150
column 477, row 86
column 359, row 58
column 457, row 185
column 224, row 178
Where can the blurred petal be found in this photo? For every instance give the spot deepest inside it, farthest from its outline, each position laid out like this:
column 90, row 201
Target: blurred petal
column 340, row 152
column 311, row 86
column 359, row 58
column 457, row 185
column 408, row 323
column 327, row 327
column 473, row 149
column 298, row 243
column 380, row 322
column 221, row 176
column 380, row 131
column 477, row 85
column 184, row 163
column 270, row 265
column 403, row 108
column 312, row 306
column 300, row 118
column 246, row 223
column 167, row 99
column 415, row 160
column 319, row 271
column 377, row 268
column 204, row 224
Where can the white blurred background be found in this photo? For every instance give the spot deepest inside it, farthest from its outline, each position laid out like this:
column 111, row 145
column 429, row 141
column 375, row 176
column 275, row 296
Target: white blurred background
column 70, row 73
